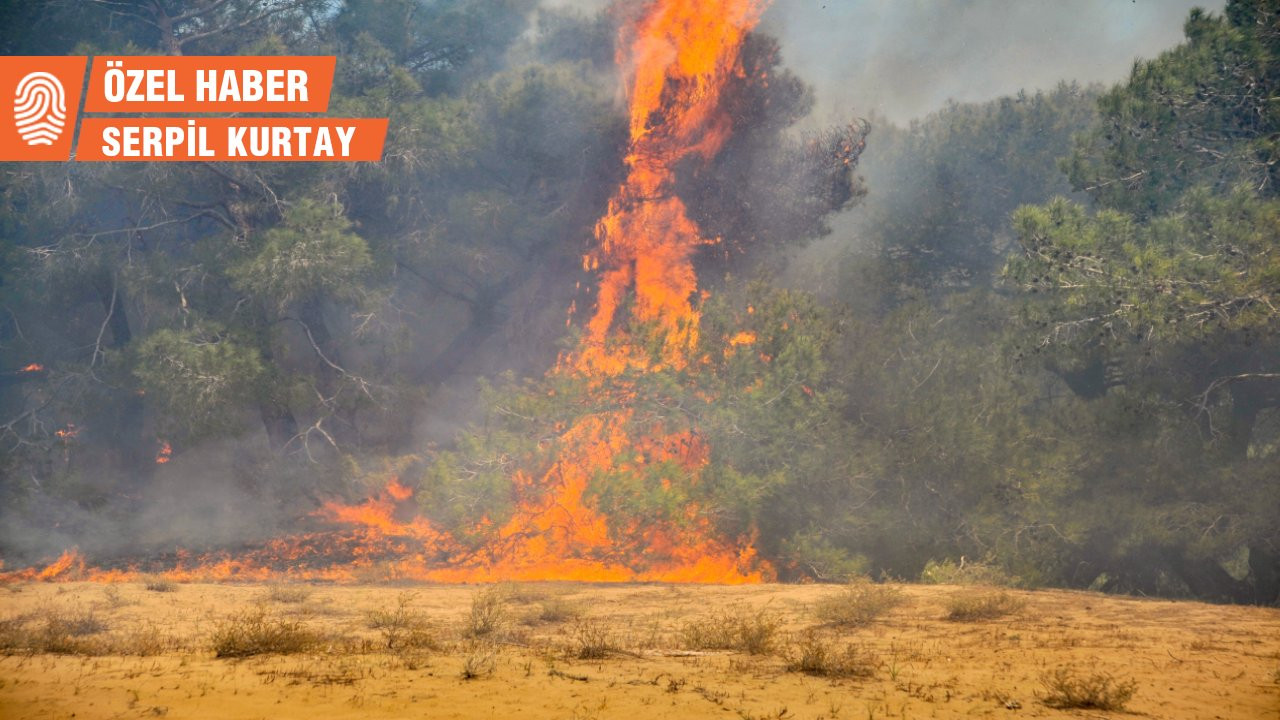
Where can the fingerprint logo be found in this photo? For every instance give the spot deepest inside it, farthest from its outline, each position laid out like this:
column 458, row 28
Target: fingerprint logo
column 39, row 108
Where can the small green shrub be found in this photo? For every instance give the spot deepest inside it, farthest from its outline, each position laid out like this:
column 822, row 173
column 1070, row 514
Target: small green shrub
column 948, row 572
column 859, row 603
column 1066, row 689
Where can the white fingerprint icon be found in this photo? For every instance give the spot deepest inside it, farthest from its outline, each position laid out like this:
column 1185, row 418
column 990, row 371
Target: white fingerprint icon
column 39, row 108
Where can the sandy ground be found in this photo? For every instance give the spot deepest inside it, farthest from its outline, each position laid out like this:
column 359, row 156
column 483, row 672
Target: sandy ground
column 1188, row 660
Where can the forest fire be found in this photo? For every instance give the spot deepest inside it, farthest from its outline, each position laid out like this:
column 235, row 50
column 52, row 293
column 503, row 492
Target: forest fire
column 677, row 58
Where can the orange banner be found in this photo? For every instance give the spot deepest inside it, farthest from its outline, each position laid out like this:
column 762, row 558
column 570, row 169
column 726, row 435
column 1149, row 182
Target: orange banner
column 231, row 139
column 209, row 84
column 42, row 97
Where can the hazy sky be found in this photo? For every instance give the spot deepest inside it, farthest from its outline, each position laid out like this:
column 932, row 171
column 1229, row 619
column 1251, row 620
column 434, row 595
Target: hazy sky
column 905, row 58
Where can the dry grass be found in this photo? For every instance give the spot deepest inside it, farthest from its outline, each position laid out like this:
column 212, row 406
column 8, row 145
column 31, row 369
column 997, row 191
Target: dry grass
column 861, row 602
column 287, row 593
column 144, row 641
column 253, row 632
column 77, row 632
column 59, row 632
column 403, row 628
column 67, row 633
column 752, row 633
column 13, row 634
column 814, row 655
column 522, row 593
column 1067, row 689
column 488, row 613
column 972, row 607
column 640, row 647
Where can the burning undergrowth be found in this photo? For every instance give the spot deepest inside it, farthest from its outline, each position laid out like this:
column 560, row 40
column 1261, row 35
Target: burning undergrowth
column 619, row 484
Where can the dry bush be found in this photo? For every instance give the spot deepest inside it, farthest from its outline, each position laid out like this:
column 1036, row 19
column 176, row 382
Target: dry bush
column 488, row 613
column 287, row 593
column 402, row 627
column 593, row 640
column 115, row 599
column 813, row 655
column 554, row 610
column 752, row 633
column 155, row 583
column 481, row 660
column 1066, row 689
column 253, row 632
column 859, row 603
column 971, row 607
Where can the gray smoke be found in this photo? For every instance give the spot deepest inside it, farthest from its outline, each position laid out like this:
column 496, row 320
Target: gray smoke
column 902, row 59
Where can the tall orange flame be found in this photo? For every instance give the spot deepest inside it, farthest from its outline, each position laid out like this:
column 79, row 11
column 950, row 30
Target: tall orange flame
column 680, row 55
column 677, row 57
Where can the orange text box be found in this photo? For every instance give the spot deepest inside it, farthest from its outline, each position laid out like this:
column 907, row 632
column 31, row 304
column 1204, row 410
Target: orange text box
column 200, row 84
column 39, row 100
column 231, row 139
